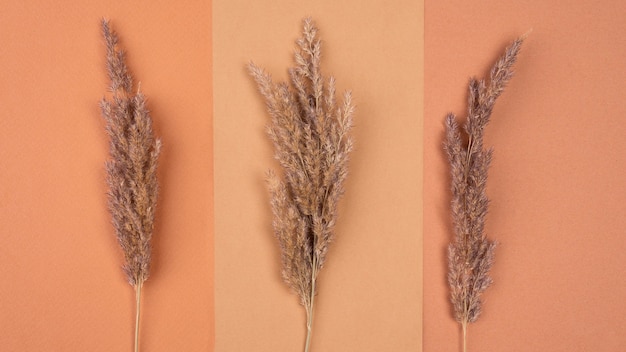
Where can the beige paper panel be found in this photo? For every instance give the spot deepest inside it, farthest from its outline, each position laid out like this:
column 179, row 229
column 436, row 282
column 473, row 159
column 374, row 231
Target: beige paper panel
column 370, row 294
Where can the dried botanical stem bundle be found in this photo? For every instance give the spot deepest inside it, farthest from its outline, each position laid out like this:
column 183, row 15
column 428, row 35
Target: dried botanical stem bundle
column 132, row 170
column 312, row 141
column 471, row 254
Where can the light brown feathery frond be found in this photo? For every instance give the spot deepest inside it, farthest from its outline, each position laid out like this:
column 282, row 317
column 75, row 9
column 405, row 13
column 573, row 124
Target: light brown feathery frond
column 132, row 169
column 312, row 143
column 471, row 254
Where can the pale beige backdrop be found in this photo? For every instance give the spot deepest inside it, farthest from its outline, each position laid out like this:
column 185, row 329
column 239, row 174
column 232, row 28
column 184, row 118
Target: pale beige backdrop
column 370, row 289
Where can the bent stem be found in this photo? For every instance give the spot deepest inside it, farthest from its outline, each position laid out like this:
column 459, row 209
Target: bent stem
column 138, row 310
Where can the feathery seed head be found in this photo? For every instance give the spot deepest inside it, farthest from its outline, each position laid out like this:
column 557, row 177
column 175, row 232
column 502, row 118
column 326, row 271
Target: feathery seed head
column 312, row 142
column 471, row 254
column 132, row 168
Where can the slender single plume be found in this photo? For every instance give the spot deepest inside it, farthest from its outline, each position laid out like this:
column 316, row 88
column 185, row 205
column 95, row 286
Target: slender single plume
column 132, row 168
column 310, row 131
column 471, row 254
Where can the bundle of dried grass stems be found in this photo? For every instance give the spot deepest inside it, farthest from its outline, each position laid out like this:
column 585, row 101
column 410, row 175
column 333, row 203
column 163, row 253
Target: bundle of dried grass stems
column 310, row 133
column 471, row 254
column 132, row 170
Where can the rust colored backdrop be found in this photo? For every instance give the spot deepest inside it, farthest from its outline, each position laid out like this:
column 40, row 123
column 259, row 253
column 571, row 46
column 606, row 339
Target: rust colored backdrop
column 61, row 283
column 556, row 183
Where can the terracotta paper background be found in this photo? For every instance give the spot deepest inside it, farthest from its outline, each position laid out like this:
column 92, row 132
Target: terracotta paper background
column 557, row 180
column 370, row 288
column 61, row 283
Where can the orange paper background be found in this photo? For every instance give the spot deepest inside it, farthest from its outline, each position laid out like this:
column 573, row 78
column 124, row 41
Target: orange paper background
column 370, row 288
column 556, row 183
column 61, row 283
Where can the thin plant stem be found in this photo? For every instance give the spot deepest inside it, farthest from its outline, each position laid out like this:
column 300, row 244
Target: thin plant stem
column 309, row 324
column 464, row 336
column 138, row 311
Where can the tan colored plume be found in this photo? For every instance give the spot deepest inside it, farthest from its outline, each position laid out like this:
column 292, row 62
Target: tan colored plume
column 471, row 254
column 310, row 131
column 132, row 168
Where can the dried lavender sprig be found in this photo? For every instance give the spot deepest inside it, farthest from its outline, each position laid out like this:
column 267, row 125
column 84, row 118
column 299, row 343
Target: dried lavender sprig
column 312, row 142
column 471, row 254
column 132, row 169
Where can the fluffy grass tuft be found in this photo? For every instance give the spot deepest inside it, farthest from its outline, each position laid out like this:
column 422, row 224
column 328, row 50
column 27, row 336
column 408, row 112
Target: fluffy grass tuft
column 132, row 168
column 471, row 254
column 310, row 131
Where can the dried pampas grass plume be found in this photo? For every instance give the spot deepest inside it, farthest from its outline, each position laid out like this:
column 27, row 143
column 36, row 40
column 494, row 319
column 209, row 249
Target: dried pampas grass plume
column 471, row 254
column 132, row 169
column 310, row 131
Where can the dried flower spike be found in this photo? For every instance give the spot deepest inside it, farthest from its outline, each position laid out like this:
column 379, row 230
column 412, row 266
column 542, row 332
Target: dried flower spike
column 131, row 172
column 471, row 254
column 312, row 142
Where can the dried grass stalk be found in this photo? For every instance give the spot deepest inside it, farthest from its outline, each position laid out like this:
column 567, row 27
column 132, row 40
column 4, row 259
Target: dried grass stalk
column 311, row 136
column 132, row 170
column 471, row 254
